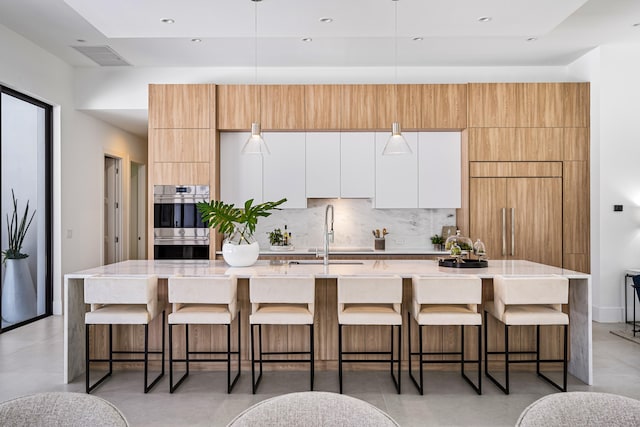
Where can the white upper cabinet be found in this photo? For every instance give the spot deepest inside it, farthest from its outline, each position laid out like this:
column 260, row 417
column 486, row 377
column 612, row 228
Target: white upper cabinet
column 323, row 165
column 284, row 169
column 439, row 170
column 240, row 174
column 396, row 175
column 357, row 165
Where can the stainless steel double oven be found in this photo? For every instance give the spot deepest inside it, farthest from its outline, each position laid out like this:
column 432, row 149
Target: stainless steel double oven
column 178, row 231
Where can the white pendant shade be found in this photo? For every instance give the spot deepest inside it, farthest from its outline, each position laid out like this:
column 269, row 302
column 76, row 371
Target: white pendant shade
column 396, row 144
column 255, row 144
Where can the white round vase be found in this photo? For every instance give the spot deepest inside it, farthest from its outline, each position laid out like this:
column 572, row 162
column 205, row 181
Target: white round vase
column 240, row 255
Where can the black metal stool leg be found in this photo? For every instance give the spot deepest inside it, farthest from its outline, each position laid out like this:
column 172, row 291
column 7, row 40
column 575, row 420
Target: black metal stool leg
column 340, row 356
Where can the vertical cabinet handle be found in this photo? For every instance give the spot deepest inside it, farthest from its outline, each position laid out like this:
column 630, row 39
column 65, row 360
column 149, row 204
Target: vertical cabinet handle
column 504, row 231
column 513, row 231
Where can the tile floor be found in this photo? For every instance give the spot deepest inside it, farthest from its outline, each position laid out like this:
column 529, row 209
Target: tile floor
column 31, row 361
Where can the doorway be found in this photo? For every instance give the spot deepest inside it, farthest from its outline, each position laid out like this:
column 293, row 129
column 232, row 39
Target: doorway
column 112, row 210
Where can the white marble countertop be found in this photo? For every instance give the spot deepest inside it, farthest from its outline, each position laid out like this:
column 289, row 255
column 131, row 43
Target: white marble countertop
column 350, row 251
column 404, row 268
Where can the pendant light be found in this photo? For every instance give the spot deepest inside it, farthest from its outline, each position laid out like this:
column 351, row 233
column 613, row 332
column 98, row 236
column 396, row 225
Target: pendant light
column 396, row 144
column 256, row 144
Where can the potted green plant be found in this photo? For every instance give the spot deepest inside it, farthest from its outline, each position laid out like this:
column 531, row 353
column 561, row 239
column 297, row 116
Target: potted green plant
column 239, row 249
column 437, row 242
column 18, row 290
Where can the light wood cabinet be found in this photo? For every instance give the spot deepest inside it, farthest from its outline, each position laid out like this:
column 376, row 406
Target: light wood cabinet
column 184, row 173
column 237, row 106
column 516, row 144
column 180, row 106
column 576, row 144
column 492, row 104
column 518, row 218
column 553, row 105
column 576, row 207
column 400, row 103
column 282, row 107
column 323, row 107
column 444, row 106
column 359, row 108
column 181, row 145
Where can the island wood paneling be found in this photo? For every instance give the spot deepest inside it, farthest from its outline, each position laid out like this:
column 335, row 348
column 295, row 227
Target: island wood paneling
column 179, row 106
column 323, row 107
column 181, row 145
column 237, row 106
column 492, row 104
column 444, row 106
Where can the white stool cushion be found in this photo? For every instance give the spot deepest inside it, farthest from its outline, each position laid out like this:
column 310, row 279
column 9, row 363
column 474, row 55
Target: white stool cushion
column 281, row 314
column 202, row 314
column 203, row 290
column 442, row 314
column 119, row 314
column 447, row 289
column 369, row 314
column 537, row 314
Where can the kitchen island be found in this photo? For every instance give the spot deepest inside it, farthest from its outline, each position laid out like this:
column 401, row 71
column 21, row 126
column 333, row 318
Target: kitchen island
column 580, row 364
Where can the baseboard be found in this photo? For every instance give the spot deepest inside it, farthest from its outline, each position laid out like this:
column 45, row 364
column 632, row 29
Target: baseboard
column 57, row 307
column 608, row 314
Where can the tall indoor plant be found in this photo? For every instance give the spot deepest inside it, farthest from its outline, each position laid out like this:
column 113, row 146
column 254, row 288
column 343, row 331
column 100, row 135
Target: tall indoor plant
column 18, row 290
column 240, row 249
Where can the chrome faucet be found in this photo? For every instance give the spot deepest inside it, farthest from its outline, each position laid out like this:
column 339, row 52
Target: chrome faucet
column 328, row 233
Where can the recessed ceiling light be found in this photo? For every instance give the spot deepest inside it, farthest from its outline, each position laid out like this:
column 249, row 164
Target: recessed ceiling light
column 81, row 40
column 196, row 40
column 532, row 39
column 167, row 21
column 637, row 24
column 326, row 20
column 484, row 19
column 307, row 39
column 417, row 39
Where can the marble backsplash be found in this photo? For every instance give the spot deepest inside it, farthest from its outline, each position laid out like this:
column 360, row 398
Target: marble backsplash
column 353, row 222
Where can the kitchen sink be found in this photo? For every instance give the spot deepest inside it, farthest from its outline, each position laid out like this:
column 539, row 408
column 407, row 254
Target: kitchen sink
column 319, row 262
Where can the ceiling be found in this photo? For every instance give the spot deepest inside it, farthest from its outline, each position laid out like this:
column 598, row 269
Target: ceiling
column 362, row 33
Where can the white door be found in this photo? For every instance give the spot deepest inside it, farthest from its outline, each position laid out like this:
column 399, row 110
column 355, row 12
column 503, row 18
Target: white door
column 111, row 210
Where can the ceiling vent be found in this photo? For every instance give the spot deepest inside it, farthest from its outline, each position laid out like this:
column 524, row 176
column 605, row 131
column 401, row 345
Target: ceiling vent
column 102, row 55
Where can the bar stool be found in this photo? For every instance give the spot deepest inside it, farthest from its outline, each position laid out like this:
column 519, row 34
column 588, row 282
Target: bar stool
column 520, row 300
column 203, row 301
column 281, row 300
column 122, row 300
column 370, row 300
column 441, row 301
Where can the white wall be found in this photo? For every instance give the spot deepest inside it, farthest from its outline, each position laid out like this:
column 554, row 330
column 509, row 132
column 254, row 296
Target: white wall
column 80, row 142
column 615, row 174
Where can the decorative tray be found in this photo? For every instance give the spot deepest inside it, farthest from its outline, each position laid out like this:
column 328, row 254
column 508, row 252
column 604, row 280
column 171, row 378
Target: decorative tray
column 281, row 248
column 455, row 263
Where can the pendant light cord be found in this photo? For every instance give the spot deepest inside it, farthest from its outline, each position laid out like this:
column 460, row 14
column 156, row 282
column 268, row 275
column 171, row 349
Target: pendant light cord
column 255, row 57
column 395, row 56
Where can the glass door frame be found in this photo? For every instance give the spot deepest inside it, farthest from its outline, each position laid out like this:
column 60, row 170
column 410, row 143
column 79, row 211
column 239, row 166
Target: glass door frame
column 48, row 152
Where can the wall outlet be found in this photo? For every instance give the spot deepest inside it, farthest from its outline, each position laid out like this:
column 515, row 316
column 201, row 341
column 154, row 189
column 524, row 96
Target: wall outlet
column 617, row 208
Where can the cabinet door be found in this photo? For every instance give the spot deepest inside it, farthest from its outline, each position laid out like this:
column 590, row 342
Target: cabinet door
column 322, row 107
column 357, row 164
column 282, row 107
column 240, row 174
column 180, row 145
column 439, row 170
column 396, row 176
column 400, row 103
column 536, row 212
column 488, row 214
column 237, row 106
column 323, row 164
column 444, row 106
column 359, row 109
column 179, row 106
column 492, row 104
column 284, row 169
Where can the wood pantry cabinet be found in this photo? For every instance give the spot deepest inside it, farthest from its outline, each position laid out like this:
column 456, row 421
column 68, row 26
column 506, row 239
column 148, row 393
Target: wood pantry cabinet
column 518, row 217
